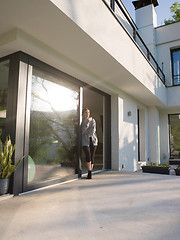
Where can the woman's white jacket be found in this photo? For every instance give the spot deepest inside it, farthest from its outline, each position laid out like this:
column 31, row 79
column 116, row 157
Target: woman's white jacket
column 88, row 129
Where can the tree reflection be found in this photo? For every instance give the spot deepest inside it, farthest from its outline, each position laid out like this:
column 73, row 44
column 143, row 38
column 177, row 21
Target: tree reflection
column 3, row 107
column 52, row 132
column 175, row 136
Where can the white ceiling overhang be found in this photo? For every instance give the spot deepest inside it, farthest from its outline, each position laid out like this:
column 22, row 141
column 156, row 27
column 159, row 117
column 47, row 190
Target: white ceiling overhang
column 40, row 29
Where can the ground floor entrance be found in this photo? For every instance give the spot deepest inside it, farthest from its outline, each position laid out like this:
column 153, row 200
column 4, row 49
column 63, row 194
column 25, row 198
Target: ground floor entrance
column 41, row 109
column 174, row 136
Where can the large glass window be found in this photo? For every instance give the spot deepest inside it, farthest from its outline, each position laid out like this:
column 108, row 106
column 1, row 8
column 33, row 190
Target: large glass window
column 4, row 73
column 174, row 121
column 94, row 102
column 176, row 66
column 53, row 128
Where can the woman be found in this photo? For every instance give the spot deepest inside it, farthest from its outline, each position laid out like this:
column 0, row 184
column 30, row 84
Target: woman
column 89, row 139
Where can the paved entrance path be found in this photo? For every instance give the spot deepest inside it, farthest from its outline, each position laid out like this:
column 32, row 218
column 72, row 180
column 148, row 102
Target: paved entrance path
column 111, row 206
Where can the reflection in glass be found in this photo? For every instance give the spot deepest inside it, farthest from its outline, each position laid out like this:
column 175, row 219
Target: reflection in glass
column 94, row 101
column 175, row 136
column 4, row 73
column 176, row 66
column 53, row 127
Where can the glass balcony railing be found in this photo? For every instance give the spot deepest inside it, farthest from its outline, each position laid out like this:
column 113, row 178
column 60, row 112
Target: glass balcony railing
column 125, row 19
column 176, row 80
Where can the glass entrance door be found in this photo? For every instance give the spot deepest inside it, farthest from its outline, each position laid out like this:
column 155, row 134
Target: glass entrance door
column 4, row 74
column 54, row 118
column 174, row 132
column 94, row 101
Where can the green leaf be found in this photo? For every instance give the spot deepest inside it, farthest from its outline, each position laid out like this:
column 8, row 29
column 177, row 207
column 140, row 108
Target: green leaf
column 175, row 10
column 6, row 164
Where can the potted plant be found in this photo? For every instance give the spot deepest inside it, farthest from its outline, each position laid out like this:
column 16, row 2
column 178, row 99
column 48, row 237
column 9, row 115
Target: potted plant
column 177, row 170
column 6, row 164
column 157, row 168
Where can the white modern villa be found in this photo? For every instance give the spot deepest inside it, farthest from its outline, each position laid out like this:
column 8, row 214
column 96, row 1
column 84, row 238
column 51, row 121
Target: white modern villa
column 58, row 57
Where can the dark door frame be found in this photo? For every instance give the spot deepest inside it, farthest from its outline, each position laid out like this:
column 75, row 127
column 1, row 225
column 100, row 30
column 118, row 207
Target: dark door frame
column 17, row 121
column 138, row 125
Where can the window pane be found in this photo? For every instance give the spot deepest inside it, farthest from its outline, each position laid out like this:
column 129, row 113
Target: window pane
column 175, row 136
column 53, row 127
column 4, row 73
column 176, row 67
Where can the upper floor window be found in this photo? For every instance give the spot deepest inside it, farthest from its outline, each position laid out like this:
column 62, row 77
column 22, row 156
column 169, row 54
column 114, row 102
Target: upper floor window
column 176, row 66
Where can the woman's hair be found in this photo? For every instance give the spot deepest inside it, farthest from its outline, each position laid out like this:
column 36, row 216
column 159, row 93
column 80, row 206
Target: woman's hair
column 84, row 110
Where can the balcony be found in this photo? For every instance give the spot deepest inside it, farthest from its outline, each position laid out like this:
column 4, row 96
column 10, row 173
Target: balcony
column 85, row 40
column 121, row 14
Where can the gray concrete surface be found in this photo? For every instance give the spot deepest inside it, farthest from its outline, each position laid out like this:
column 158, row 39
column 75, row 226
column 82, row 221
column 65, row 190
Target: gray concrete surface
column 111, row 206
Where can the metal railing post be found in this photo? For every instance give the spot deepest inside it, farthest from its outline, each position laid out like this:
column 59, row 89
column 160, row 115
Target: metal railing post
column 134, row 34
column 157, row 68
column 148, row 54
column 112, row 5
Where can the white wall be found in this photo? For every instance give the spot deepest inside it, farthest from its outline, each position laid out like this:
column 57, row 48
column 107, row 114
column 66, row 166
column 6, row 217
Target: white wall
column 167, row 38
column 154, row 135
column 115, row 132
column 164, row 137
column 173, row 96
column 146, row 16
column 108, row 33
column 125, row 133
column 128, row 151
column 146, row 21
column 143, row 133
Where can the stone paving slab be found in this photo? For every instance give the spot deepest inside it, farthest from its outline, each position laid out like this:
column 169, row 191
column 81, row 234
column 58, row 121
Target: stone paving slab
column 111, row 206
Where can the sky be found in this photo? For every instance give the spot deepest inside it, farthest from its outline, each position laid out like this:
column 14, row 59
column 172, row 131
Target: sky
column 163, row 10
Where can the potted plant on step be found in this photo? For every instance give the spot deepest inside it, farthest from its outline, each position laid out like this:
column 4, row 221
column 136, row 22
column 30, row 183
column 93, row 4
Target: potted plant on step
column 6, row 164
column 177, row 170
column 156, row 168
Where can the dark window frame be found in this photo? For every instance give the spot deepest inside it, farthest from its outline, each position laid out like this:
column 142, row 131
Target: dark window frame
column 172, row 64
column 3, row 59
column 169, row 115
column 17, row 114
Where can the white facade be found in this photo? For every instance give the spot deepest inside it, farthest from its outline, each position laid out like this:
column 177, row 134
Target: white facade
column 146, row 21
column 167, row 38
column 85, row 40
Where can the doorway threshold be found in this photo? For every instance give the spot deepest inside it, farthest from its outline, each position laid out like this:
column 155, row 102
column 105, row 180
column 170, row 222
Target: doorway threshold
column 61, row 183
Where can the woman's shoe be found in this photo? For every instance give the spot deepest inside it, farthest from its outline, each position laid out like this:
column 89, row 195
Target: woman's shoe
column 89, row 176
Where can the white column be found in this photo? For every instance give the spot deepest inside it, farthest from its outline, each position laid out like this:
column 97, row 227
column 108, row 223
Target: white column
column 115, row 132
column 154, row 135
column 146, row 21
column 164, row 138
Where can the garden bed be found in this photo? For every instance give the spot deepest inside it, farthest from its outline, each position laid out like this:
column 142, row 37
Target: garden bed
column 156, row 169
